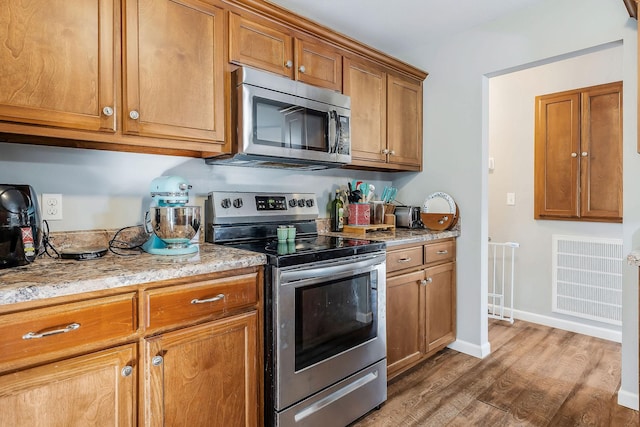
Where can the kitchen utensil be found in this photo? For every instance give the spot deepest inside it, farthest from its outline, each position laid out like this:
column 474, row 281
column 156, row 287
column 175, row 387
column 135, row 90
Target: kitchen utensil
column 172, row 223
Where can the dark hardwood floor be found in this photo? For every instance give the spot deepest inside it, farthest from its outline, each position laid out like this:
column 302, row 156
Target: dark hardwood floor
column 535, row 376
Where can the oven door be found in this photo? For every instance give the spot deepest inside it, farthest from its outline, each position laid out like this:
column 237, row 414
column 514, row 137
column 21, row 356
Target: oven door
column 329, row 324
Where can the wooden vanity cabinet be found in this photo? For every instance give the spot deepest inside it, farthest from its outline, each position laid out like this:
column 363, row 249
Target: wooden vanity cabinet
column 275, row 48
column 386, row 117
column 201, row 353
column 421, row 302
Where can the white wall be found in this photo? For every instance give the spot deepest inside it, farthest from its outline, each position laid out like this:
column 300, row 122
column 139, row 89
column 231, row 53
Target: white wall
column 456, row 139
column 511, row 144
column 109, row 190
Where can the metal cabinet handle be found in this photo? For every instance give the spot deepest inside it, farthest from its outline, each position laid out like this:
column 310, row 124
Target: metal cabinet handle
column 574, row 154
column 33, row 335
column 385, row 151
column 443, row 252
column 126, row 371
column 288, row 64
column 392, row 152
column 584, row 154
column 203, row 301
column 134, row 114
column 302, row 69
column 423, row 282
column 404, row 259
column 107, row 111
column 157, row 360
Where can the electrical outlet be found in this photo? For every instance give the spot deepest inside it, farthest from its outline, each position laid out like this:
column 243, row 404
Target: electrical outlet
column 51, row 206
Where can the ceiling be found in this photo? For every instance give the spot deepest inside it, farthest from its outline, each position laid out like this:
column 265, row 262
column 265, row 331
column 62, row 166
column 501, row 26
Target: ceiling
column 394, row 25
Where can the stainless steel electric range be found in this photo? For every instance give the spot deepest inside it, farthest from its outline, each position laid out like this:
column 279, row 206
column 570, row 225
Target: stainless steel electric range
column 325, row 326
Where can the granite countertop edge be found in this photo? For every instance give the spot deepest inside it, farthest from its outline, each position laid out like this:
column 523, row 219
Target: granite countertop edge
column 50, row 278
column 401, row 236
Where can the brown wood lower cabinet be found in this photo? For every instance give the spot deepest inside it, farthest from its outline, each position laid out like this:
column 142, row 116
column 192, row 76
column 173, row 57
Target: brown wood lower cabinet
column 94, row 389
column 203, row 375
column 191, row 360
column 421, row 302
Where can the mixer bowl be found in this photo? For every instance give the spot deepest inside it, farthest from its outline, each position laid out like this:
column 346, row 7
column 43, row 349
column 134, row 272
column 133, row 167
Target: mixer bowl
column 175, row 225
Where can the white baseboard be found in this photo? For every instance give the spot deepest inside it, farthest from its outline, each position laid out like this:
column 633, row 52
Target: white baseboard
column 568, row 325
column 479, row 351
column 628, row 399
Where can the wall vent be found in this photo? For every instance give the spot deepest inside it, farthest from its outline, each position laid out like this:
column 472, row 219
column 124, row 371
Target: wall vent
column 587, row 277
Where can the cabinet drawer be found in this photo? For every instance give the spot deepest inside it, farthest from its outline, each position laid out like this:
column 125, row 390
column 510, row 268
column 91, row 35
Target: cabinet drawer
column 404, row 258
column 199, row 301
column 439, row 252
column 64, row 328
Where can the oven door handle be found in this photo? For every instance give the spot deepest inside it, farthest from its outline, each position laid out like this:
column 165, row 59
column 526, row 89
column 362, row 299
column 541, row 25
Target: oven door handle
column 333, row 270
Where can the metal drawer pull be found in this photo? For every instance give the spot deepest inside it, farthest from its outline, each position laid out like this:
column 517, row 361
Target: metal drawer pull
column 33, row 335
column 203, row 301
column 157, row 360
column 444, row 252
column 404, row 259
column 126, row 371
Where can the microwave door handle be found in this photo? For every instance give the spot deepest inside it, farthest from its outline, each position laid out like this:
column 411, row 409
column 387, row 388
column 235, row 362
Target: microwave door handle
column 334, row 132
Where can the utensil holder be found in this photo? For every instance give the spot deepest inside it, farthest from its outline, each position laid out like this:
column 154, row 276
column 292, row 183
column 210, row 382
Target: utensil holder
column 359, row 214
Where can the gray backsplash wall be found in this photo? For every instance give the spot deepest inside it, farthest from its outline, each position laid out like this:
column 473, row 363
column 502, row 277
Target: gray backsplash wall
column 103, row 189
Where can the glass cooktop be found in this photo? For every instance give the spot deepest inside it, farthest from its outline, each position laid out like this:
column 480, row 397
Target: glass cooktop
column 309, row 249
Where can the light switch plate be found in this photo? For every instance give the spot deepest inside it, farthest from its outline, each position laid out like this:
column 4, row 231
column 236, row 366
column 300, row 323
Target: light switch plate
column 511, row 199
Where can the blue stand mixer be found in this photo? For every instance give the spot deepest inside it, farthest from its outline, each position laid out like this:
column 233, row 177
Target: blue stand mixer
column 171, row 223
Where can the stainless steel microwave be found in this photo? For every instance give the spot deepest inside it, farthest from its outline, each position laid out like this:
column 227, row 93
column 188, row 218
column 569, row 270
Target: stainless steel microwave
column 285, row 123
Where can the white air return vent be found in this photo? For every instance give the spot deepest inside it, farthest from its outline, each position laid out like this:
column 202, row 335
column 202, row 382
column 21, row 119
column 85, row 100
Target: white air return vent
column 587, row 277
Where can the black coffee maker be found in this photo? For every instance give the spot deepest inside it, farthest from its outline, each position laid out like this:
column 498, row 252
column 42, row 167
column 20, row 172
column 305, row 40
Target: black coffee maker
column 20, row 225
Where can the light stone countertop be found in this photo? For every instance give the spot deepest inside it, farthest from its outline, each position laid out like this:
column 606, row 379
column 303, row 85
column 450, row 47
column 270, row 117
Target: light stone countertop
column 48, row 277
column 401, row 236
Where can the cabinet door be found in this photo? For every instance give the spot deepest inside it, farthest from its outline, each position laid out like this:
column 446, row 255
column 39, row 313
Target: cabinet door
column 404, row 122
column 57, row 63
column 440, row 305
column 318, row 64
column 173, row 70
column 90, row 390
column 601, row 153
column 557, row 144
column 203, row 375
column 405, row 320
column 366, row 84
column 260, row 46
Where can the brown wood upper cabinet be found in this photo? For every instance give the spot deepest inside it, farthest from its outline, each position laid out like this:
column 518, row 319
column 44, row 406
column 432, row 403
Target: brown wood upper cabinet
column 57, row 63
column 275, row 48
column 173, row 84
column 578, row 154
column 386, row 117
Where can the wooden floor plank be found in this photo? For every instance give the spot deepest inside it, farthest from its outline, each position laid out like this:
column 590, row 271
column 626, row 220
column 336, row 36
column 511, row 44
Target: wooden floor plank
column 535, row 376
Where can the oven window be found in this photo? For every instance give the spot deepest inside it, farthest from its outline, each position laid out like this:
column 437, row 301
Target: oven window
column 334, row 316
column 281, row 124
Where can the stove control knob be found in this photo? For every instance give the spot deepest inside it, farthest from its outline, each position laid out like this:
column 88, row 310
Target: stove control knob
column 293, row 203
column 309, row 203
column 301, row 203
column 237, row 203
column 225, row 203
